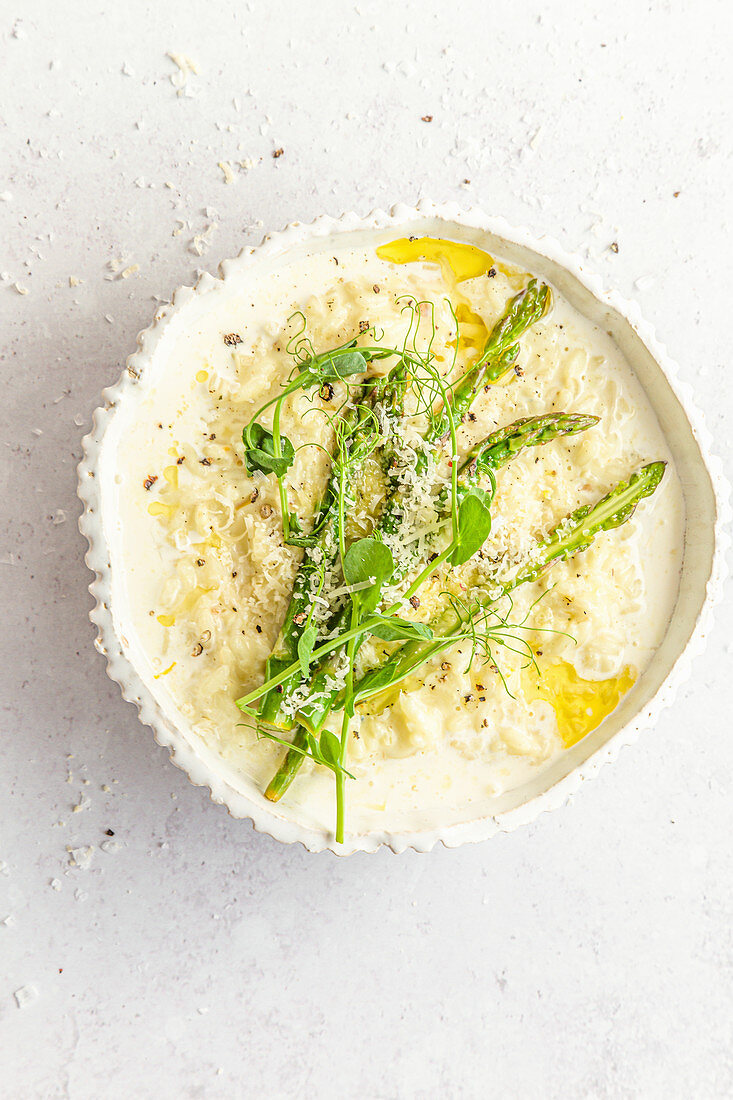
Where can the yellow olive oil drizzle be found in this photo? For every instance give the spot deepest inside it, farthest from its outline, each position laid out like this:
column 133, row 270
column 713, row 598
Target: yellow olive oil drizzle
column 165, row 671
column 580, row 705
column 457, row 261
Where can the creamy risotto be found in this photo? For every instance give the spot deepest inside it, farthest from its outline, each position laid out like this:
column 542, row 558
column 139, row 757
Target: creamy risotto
column 209, row 575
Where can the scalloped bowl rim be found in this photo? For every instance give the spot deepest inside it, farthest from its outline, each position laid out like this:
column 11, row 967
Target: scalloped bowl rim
column 120, row 669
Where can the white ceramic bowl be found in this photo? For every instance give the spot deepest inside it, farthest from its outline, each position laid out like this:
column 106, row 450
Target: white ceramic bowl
column 705, row 492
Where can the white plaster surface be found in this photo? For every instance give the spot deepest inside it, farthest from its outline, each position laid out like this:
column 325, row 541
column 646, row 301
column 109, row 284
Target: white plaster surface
column 586, row 956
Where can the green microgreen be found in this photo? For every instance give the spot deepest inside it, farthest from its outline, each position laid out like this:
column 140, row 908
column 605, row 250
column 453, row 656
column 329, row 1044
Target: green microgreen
column 267, row 451
column 390, row 628
column 474, row 525
column 368, row 560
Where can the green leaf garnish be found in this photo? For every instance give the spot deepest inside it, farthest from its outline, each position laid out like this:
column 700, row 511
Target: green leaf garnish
column 340, row 364
column 368, row 560
column 390, row 628
column 260, row 453
column 474, row 525
column 330, row 749
column 306, row 642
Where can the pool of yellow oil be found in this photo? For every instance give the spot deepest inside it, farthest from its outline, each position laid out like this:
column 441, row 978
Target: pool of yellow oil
column 165, row 670
column 461, row 261
column 580, row 705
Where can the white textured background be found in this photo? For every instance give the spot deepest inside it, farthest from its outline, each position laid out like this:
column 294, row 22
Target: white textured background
column 586, row 956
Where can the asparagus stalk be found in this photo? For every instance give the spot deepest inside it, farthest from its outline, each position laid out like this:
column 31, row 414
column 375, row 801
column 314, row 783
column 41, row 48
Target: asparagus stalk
column 497, row 359
column 500, row 351
column 389, row 392
column 572, row 536
column 289, row 767
column 506, row 443
column 285, row 651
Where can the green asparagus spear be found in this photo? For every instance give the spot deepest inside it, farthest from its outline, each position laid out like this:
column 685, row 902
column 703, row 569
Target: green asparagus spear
column 497, row 359
column 500, row 351
column 388, row 394
column 356, row 426
column 508, row 442
column 572, row 536
column 289, row 768
column 360, row 426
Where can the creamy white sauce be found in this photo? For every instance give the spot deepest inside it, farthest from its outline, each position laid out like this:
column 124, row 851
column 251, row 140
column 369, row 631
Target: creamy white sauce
column 407, row 779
